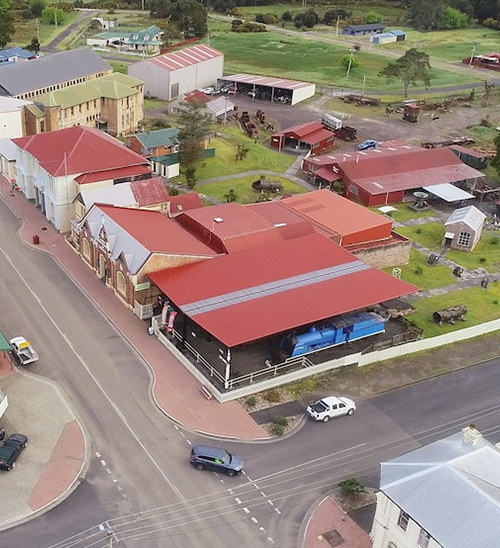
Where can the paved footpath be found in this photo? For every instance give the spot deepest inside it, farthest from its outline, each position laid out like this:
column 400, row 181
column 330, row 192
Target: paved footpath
column 175, row 390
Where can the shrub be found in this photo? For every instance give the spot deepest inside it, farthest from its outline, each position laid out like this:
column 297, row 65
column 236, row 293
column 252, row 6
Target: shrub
column 280, row 421
column 495, row 301
column 482, row 259
column 418, row 230
column 349, row 59
column 485, row 122
column 494, row 240
column 277, row 429
column 419, row 270
column 351, row 487
column 266, row 18
column 372, row 17
column 251, row 401
column 272, row 396
column 287, row 16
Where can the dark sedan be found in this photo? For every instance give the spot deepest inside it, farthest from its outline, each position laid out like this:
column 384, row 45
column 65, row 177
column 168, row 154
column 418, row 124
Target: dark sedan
column 11, row 449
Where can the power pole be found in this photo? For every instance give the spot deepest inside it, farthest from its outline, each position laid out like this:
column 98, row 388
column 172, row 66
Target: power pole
column 351, row 53
column 38, row 29
column 337, row 26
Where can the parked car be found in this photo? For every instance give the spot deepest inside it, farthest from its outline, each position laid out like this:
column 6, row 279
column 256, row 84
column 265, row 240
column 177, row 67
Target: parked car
column 211, row 91
column 230, row 90
column 11, row 449
column 215, row 458
column 369, row 143
column 329, row 408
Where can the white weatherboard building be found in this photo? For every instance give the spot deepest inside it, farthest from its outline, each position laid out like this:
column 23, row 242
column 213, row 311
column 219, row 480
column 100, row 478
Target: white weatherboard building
column 442, row 495
column 172, row 74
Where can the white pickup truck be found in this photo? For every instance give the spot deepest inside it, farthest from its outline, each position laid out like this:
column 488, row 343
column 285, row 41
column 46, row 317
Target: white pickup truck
column 23, row 350
column 331, row 407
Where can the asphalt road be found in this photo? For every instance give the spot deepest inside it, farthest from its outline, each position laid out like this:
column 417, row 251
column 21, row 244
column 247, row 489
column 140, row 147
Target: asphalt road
column 139, row 480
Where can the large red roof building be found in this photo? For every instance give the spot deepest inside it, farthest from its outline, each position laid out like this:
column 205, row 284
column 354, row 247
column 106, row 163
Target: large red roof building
column 53, row 167
column 384, row 175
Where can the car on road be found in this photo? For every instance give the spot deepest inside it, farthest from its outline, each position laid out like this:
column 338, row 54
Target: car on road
column 330, row 408
column 215, row 458
column 369, row 143
column 11, row 449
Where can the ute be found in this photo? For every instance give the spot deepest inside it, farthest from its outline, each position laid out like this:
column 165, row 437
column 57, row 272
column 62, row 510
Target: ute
column 22, row 349
column 329, row 408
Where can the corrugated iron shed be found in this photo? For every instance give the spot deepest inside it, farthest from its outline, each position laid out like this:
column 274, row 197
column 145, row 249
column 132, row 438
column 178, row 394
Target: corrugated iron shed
column 471, row 216
column 451, row 489
column 185, row 57
column 354, row 223
column 274, row 288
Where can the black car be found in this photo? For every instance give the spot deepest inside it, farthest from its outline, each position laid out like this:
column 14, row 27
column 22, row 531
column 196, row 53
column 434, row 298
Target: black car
column 215, row 458
column 11, row 449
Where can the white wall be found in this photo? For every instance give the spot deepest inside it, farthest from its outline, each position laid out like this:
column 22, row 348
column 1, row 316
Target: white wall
column 301, row 94
column 386, row 529
column 11, row 124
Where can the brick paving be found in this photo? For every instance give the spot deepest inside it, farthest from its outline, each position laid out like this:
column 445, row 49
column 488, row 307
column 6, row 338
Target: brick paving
column 330, row 527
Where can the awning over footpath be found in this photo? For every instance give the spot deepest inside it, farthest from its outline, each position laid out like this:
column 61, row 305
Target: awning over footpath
column 448, row 192
column 246, row 296
column 4, row 343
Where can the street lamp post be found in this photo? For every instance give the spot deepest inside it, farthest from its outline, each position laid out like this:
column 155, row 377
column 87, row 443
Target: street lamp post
column 471, row 61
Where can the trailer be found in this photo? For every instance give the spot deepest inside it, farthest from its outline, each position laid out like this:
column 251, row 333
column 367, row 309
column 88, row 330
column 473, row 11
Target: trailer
column 340, row 330
column 22, row 349
column 337, row 127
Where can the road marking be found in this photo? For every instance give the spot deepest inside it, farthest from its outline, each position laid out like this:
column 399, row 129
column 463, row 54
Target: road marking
column 92, row 376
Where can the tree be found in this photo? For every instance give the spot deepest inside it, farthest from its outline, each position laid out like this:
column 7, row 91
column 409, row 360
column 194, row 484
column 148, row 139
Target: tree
column 287, row 16
column 190, row 17
column 372, row 17
column 454, row 19
column 159, row 9
column 426, row 14
column 412, row 67
column 351, row 487
column 351, row 60
column 37, row 7
column 7, row 28
column 171, row 34
column 194, row 129
column 53, row 16
column 231, row 195
column 496, row 160
column 34, row 45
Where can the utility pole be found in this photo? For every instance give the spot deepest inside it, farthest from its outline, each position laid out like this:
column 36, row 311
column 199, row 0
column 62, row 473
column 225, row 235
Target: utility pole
column 351, row 53
column 337, row 26
column 471, row 61
column 55, row 16
column 38, row 29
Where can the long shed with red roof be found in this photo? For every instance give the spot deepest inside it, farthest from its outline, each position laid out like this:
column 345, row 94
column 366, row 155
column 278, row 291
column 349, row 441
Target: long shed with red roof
column 311, row 136
column 172, row 74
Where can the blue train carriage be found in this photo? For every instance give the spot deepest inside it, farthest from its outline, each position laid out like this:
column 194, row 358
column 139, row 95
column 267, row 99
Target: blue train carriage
column 339, row 330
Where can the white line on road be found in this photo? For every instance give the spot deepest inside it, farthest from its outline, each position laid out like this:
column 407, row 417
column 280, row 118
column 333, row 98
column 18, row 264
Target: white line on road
column 92, row 376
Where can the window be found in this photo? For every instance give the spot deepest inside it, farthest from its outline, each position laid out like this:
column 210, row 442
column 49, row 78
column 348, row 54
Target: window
column 403, row 520
column 464, row 238
column 423, row 538
column 120, row 283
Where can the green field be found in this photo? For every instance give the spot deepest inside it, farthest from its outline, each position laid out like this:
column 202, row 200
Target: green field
column 304, row 58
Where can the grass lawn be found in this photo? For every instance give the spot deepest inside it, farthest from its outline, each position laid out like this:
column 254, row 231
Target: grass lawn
column 150, row 104
column 449, row 45
column 483, row 306
column 430, row 277
column 224, row 163
column 242, row 188
column 26, row 30
column 119, row 66
column 483, row 136
column 308, row 60
column 404, row 213
column 488, row 249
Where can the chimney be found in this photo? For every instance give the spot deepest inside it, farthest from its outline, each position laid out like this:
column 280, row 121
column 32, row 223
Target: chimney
column 471, row 434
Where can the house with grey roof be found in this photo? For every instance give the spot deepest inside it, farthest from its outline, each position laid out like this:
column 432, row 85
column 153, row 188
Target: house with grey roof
column 463, row 228
column 51, row 72
column 442, row 495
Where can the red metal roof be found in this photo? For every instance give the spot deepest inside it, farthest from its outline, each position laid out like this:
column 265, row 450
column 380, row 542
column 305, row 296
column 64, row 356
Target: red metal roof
column 234, row 226
column 118, row 173
column 197, row 95
column 184, row 202
column 354, row 223
column 156, row 232
column 327, row 173
column 185, row 57
column 78, row 149
column 149, row 191
column 290, row 224
column 274, row 288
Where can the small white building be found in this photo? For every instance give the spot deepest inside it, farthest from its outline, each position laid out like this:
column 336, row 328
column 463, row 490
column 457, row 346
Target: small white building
column 442, row 495
column 172, row 74
column 463, row 228
column 12, row 118
column 8, row 159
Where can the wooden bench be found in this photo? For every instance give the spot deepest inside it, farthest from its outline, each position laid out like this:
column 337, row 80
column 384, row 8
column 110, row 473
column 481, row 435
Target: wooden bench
column 206, row 392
